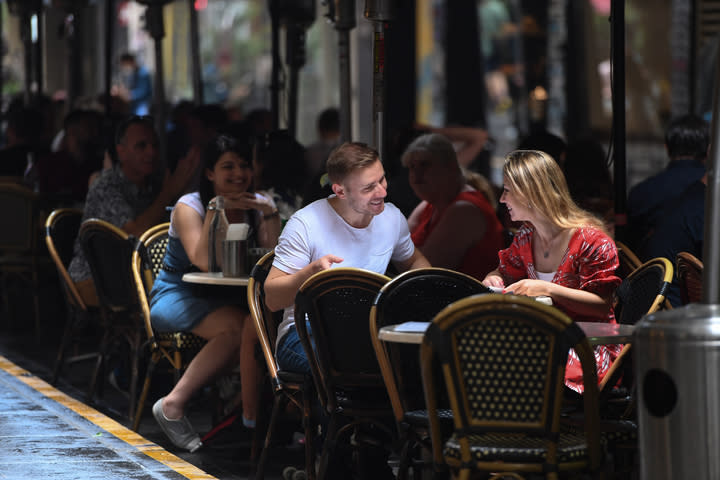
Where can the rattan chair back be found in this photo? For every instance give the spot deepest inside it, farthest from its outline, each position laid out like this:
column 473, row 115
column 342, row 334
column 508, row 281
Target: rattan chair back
column 414, row 296
column 61, row 230
column 108, row 251
column 336, row 303
column 689, row 277
column 629, row 262
column 643, row 291
column 503, row 359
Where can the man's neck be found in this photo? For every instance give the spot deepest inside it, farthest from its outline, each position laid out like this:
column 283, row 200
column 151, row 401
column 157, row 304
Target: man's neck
column 133, row 177
column 351, row 217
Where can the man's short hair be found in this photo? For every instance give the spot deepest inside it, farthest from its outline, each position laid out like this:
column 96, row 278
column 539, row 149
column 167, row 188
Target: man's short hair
column 687, row 136
column 433, row 146
column 130, row 121
column 329, row 120
column 127, row 57
column 348, row 157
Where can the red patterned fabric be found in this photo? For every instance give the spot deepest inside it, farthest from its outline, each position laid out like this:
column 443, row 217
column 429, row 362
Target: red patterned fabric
column 589, row 264
column 481, row 258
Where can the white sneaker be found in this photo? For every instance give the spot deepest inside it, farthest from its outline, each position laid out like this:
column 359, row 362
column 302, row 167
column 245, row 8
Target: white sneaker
column 180, row 432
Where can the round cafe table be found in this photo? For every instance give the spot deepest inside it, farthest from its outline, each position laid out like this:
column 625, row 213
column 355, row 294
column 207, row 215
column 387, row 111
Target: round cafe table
column 215, row 278
column 597, row 333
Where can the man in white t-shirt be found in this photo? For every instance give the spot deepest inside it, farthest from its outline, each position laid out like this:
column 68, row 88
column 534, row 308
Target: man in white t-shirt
column 352, row 228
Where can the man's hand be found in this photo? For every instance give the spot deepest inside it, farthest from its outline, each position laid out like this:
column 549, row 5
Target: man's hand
column 325, row 263
column 179, row 180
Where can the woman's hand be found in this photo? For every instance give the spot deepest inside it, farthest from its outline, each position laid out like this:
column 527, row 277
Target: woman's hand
column 531, row 288
column 493, row 280
column 248, row 201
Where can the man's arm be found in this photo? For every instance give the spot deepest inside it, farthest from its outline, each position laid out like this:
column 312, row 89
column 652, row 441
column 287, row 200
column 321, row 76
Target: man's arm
column 173, row 186
column 281, row 287
column 416, row 260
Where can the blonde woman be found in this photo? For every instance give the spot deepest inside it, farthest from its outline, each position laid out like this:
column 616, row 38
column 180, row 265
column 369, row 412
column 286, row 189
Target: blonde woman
column 561, row 251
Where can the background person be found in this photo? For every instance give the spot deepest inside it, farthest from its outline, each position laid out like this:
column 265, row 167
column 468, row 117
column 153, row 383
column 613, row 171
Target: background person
column 223, row 321
column 354, row 227
column 279, row 168
column 561, row 251
column 454, row 225
column 687, row 140
column 129, row 195
column 135, row 85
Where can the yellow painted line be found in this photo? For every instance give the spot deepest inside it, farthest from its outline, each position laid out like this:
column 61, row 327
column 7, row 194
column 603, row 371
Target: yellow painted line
column 114, row 428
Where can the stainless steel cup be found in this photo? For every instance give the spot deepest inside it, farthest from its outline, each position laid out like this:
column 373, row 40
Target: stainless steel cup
column 234, row 258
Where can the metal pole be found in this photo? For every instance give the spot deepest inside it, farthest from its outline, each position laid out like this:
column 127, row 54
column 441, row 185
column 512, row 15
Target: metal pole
column 2, row 58
column 344, row 22
column 27, row 44
column 711, row 252
column 617, row 26
column 379, row 88
column 74, row 49
column 275, row 49
column 109, row 25
column 195, row 54
column 154, row 16
column 378, row 11
column 295, row 37
column 38, row 49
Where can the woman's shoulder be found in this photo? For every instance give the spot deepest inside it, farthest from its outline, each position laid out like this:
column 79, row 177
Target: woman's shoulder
column 594, row 241
column 593, row 234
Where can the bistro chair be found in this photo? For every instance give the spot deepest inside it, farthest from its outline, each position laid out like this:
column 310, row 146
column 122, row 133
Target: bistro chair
column 20, row 261
column 640, row 294
column 629, row 262
column 108, row 251
column 503, row 360
column 61, row 230
column 177, row 348
column 287, row 386
column 414, row 296
column 345, row 370
column 689, row 277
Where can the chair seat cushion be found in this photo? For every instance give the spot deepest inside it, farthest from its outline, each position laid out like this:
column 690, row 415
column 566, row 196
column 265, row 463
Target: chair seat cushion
column 182, row 340
column 517, row 448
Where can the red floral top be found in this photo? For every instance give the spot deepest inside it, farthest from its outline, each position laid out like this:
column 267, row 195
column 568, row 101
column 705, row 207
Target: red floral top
column 588, row 264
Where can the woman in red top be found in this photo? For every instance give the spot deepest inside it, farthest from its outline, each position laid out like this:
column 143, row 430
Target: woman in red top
column 454, row 226
column 561, row 251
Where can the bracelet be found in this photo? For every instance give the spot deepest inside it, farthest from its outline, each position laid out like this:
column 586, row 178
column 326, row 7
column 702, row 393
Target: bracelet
column 275, row 213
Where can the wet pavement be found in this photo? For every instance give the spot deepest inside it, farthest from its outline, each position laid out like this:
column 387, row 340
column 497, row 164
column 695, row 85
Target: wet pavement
column 49, row 432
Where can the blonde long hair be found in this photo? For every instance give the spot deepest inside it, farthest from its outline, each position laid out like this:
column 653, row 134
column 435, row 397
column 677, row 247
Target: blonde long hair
column 536, row 178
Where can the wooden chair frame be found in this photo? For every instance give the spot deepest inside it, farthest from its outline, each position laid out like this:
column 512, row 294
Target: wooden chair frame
column 119, row 305
column 173, row 347
column 76, row 310
column 287, row 386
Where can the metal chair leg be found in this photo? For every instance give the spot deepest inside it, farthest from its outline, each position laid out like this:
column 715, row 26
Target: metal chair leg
column 145, row 390
column 278, row 404
column 310, row 430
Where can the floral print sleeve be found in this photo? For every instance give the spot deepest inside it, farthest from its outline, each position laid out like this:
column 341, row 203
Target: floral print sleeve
column 591, row 263
column 514, row 260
